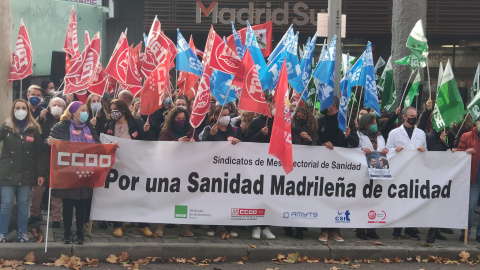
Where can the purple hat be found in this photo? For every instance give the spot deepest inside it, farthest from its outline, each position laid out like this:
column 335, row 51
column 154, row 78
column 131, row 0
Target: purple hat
column 74, row 106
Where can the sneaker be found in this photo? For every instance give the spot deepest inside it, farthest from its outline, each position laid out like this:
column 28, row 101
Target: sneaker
column 79, row 239
column 233, row 233
column 336, row 236
column 3, row 239
column 33, row 219
column 323, row 236
column 412, row 234
column 267, row 233
column 256, row 233
column 147, row 232
column 117, row 232
column 211, row 232
column 56, row 224
column 24, row 238
column 67, row 238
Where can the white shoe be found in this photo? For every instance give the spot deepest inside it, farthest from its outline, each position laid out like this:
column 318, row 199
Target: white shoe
column 267, row 233
column 256, row 233
column 233, row 234
column 211, row 233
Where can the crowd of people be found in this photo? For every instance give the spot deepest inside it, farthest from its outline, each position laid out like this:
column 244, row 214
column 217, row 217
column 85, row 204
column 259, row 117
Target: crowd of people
column 47, row 115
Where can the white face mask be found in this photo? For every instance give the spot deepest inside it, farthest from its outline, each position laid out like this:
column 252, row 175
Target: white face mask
column 96, row 107
column 56, row 111
column 224, row 120
column 181, row 106
column 51, row 92
column 20, row 114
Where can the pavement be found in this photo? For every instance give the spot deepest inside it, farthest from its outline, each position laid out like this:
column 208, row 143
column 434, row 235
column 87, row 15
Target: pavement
column 101, row 243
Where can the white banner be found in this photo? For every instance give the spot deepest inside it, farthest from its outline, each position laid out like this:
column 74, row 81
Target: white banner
column 217, row 183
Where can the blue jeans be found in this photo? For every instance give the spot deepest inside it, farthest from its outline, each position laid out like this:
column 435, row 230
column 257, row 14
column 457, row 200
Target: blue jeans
column 23, row 200
column 474, row 193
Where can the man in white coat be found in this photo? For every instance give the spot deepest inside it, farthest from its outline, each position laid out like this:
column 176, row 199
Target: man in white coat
column 408, row 137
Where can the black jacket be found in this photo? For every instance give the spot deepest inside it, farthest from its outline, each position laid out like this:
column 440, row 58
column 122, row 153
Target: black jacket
column 221, row 135
column 61, row 131
column 328, row 131
column 135, row 129
column 101, row 122
column 47, row 125
column 297, row 139
column 434, row 143
column 254, row 131
column 156, row 122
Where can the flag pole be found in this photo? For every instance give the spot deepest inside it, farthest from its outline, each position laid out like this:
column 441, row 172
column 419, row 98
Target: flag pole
column 406, row 86
column 459, row 129
column 48, row 218
column 224, row 101
column 359, row 102
column 21, row 88
column 429, row 86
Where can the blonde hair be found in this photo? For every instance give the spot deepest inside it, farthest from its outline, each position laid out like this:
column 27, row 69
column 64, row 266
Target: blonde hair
column 36, row 87
column 67, row 115
column 29, row 118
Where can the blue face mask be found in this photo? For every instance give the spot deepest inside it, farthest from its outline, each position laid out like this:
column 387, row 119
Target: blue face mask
column 34, row 100
column 83, row 117
column 167, row 101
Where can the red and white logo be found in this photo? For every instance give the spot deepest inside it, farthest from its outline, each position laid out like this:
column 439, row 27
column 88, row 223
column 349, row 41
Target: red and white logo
column 377, row 217
column 22, row 59
column 247, row 212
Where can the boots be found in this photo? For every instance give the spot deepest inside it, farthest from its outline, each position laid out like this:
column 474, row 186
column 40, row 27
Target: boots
column 431, row 236
column 185, row 231
column 439, row 236
column 159, row 230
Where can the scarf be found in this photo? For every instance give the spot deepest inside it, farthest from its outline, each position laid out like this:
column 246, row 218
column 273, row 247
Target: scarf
column 85, row 135
column 21, row 125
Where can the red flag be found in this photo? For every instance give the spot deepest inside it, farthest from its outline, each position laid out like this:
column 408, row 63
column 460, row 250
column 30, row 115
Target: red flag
column 155, row 29
column 154, row 89
column 222, row 57
column 71, row 43
column 83, row 71
column 281, row 139
column 22, row 58
column 99, row 82
column 117, row 67
column 111, row 85
column 251, row 98
column 87, row 38
column 194, row 49
column 187, row 83
column 138, row 50
column 201, row 105
column 75, row 164
column 132, row 80
column 156, row 51
column 263, row 32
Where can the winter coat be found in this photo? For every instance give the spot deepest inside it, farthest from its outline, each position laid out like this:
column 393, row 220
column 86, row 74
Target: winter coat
column 61, row 131
column 471, row 140
column 47, row 125
column 254, row 131
column 22, row 160
column 297, row 139
column 169, row 136
column 434, row 142
column 135, row 129
column 328, row 131
column 101, row 122
column 221, row 135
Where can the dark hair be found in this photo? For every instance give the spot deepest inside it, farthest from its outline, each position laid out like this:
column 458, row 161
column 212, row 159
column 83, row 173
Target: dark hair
column 45, row 84
column 364, row 121
column 170, row 119
column 216, row 112
column 184, row 98
column 311, row 121
column 121, row 106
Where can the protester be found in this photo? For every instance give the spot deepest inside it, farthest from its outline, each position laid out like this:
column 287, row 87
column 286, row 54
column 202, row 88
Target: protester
column 182, row 101
column 370, row 139
column 97, row 112
column 177, row 128
column 470, row 143
column 48, row 88
column 124, row 125
column 330, row 135
column 243, row 121
column 136, row 108
column 56, row 108
column 126, row 96
column 22, row 167
column 407, row 136
column 35, row 98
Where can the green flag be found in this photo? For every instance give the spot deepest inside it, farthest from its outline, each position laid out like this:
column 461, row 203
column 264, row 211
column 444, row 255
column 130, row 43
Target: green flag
column 449, row 104
column 476, row 84
column 440, row 75
column 312, row 91
column 474, row 106
column 413, row 91
column 417, row 42
column 387, row 87
column 412, row 61
column 379, row 67
column 351, row 60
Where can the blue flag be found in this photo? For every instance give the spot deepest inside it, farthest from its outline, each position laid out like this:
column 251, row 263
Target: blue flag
column 186, row 59
column 287, row 37
column 355, row 73
column 238, row 42
column 257, row 56
column 299, row 83
column 368, row 81
column 293, row 66
column 145, row 38
column 325, row 73
column 220, row 86
column 271, row 76
column 343, row 108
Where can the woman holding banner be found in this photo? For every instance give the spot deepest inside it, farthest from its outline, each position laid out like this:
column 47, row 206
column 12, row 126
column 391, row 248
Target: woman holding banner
column 370, row 139
column 21, row 166
column 177, row 128
column 97, row 113
column 74, row 127
column 124, row 125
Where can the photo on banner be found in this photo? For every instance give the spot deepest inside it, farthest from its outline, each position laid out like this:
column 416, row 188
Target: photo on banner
column 378, row 166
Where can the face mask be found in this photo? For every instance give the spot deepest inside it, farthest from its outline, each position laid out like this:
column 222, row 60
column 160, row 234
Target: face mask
column 56, row 111
column 183, row 107
column 138, row 114
column 167, row 101
column 34, row 101
column 273, row 112
column 116, row 115
column 301, row 122
column 179, row 123
column 373, row 128
column 324, row 112
column 51, row 92
column 224, row 120
column 96, row 107
column 412, row 121
column 20, row 114
column 83, row 117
